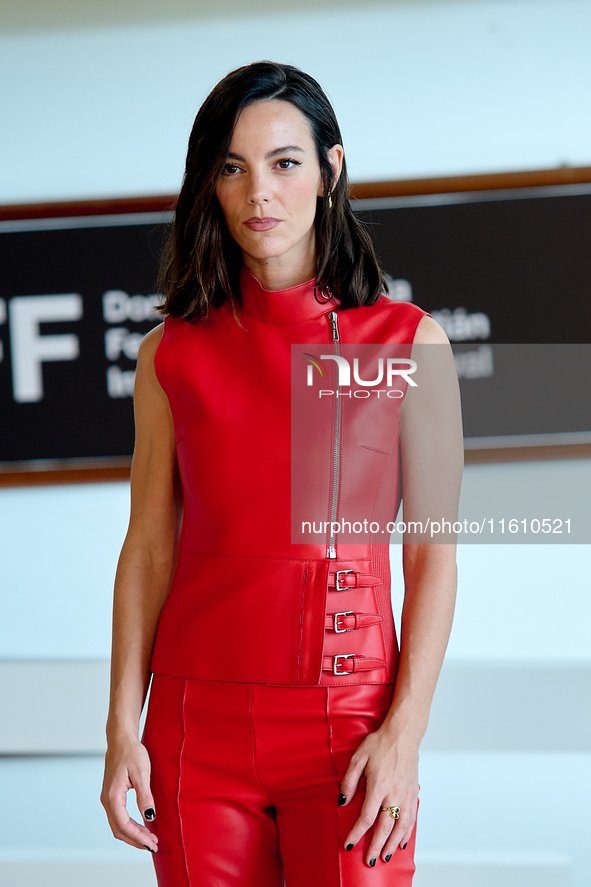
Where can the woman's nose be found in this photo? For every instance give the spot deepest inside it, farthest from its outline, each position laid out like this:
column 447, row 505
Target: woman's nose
column 258, row 189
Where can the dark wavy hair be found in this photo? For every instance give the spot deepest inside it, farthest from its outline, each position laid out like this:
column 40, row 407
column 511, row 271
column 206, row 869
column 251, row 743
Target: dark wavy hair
column 201, row 262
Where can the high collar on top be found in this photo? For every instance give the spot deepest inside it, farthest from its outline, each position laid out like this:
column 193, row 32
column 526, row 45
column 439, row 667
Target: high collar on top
column 292, row 305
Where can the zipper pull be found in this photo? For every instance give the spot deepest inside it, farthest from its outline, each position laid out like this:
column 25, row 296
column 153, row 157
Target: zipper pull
column 335, row 326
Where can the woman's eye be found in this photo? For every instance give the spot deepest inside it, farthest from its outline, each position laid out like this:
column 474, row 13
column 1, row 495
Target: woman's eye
column 230, row 169
column 287, row 163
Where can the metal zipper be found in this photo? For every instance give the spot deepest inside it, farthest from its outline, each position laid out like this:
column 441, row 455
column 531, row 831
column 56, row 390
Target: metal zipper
column 331, row 550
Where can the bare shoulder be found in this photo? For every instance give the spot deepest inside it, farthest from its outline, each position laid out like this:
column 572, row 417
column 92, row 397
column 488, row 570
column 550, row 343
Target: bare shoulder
column 146, row 353
column 430, row 333
column 150, row 342
column 154, row 455
column 435, row 374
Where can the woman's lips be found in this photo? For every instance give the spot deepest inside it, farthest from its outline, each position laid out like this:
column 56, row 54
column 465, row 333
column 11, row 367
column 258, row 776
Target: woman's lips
column 261, row 224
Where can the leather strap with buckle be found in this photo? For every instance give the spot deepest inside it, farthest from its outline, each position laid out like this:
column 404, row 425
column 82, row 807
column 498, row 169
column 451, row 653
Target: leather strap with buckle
column 349, row 663
column 350, row 621
column 342, row 580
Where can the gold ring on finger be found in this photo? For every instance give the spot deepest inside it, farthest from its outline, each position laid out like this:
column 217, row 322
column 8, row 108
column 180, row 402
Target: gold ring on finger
column 393, row 811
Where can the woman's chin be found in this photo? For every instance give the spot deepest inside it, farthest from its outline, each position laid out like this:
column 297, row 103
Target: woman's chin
column 274, row 251
column 268, row 254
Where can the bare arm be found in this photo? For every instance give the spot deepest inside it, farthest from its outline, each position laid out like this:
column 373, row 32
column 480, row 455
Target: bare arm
column 144, row 573
column 432, row 463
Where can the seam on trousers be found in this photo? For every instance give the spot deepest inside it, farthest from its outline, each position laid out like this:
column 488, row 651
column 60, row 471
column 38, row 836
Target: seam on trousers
column 254, row 746
column 335, row 772
column 302, row 612
column 178, row 796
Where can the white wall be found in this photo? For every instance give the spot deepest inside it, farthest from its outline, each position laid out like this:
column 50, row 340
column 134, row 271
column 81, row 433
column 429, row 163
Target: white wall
column 527, row 603
column 510, row 718
column 421, row 88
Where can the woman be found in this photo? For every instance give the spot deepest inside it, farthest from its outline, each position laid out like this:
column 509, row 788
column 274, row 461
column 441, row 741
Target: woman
column 273, row 747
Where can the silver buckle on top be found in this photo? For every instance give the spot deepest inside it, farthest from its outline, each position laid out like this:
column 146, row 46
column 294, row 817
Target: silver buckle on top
column 335, row 664
column 338, row 622
column 337, row 580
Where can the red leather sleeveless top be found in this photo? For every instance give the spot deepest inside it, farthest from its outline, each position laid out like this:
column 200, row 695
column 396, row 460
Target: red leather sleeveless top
column 249, row 602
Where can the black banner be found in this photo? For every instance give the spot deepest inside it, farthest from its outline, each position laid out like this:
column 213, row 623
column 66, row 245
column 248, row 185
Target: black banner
column 508, row 266
column 77, row 296
column 77, row 300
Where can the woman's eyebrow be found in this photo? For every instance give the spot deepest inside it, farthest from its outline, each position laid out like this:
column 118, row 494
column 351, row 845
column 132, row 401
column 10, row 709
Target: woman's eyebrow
column 275, row 153
column 283, row 151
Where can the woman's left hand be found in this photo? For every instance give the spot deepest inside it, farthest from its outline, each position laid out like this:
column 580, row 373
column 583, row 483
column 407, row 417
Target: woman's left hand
column 391, row 781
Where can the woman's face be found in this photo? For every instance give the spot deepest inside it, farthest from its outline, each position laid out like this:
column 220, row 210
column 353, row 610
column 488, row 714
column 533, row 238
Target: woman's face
column 269, row 185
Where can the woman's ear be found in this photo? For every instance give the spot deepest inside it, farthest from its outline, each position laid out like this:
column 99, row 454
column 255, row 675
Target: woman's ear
column 335, row 158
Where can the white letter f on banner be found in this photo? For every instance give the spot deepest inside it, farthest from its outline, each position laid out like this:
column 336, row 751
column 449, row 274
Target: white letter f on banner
column 29, row 349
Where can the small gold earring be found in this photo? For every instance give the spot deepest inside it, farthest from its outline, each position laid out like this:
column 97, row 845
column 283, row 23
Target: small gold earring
column 329, row 200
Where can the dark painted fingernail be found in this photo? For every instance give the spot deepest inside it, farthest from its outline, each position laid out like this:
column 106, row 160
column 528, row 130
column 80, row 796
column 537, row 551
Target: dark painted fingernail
column 349, row 846
column 388, row 857
column 150, row 813
column 404, row 846
column 372, row 862
column 342, row 799
column 149, row 848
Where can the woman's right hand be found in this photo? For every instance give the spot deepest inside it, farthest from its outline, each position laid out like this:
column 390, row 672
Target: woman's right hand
column 127, row 766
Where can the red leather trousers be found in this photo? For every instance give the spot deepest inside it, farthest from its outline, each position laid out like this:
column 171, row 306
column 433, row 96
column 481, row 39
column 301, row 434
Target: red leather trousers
column 246, row 779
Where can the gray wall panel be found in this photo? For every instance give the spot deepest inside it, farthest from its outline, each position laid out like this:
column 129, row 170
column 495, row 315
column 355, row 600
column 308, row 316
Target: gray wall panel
column 60, row 707
column 53, row 707
column 511, row 707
